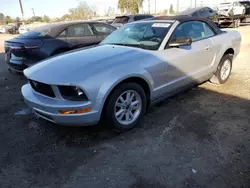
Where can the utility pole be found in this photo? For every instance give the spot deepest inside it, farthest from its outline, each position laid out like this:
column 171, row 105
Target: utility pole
column 155, row 6
column 177, row 6
column 149, row 6
column 191, row 3
column 21, row 7
column 33, row 12
column 195, row 3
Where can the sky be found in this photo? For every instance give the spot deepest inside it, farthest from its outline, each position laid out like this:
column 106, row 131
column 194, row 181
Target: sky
column 57, row 8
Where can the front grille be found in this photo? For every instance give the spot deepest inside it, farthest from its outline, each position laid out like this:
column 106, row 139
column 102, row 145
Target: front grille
column 42, row 88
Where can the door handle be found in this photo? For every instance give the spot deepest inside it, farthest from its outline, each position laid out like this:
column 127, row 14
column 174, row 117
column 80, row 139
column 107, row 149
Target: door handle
column 208, row 48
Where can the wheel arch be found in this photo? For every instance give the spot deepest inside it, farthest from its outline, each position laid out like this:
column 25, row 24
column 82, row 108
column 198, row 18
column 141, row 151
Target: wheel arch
column 229, row 51
column 143, row 82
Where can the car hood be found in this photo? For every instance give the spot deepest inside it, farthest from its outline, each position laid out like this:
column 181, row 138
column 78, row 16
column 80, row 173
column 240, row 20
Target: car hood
column 74, row 67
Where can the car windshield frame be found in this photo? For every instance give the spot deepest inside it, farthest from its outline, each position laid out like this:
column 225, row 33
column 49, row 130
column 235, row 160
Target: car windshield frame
column 145, row 35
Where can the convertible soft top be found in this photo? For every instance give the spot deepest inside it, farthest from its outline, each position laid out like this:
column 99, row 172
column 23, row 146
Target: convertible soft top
column 182, row 19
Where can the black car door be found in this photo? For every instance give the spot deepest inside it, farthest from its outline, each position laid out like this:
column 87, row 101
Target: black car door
column 81, row 35
column 102, row 30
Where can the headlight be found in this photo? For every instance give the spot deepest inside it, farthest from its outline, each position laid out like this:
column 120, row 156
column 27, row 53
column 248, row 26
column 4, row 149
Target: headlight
column 72, row 93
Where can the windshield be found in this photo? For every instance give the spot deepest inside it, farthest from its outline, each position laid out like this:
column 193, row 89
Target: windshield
column 38, row 32
column 147, row 35
column 121, row 19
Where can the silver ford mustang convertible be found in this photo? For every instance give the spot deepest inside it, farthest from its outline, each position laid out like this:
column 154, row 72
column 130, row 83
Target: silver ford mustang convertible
column 138, row 65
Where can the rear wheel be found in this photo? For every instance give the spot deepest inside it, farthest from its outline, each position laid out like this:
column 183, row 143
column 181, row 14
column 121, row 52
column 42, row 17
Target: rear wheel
column 223, row 71
column 236, row 23
column 126, row 107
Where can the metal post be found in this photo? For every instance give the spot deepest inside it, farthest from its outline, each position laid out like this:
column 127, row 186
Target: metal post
column 33, row 12
column 177, row 6
column 191, row 3
column 195, row 3
column 21, row 7
column 149, row 6
column 155, row 6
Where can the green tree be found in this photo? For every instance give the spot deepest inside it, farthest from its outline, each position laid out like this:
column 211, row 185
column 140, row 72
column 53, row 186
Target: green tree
column 82, row 11
column 171, row 9
column 7, row 19
column 46, row 18
column 130, row 6
column 1, row 18
column 65, row 17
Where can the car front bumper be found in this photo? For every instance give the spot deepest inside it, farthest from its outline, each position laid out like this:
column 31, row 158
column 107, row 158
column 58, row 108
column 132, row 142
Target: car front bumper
column 48, row 109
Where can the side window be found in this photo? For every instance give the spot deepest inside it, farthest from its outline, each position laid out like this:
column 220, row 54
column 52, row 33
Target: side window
column 79, row 30
column 203, row 13
column 149, row 16
column 194, row 29
column 141, row 17
column 195, row 14
column 102, row 29
column 208, row 31
column 63, row 34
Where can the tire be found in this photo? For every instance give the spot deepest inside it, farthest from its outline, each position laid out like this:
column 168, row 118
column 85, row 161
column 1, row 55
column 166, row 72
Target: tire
column 111, row 108
column 236, row 23
column 219, row 78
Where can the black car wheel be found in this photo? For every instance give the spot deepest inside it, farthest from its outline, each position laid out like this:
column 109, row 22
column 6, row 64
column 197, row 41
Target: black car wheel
column 126, row 107
column 223, row 71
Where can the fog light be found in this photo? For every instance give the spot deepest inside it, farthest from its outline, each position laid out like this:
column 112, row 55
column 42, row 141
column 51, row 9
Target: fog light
column 81, row 111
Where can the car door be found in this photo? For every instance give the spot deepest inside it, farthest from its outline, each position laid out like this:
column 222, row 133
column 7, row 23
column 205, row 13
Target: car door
column 189, row 64
column 102, row 30
column 81, row 35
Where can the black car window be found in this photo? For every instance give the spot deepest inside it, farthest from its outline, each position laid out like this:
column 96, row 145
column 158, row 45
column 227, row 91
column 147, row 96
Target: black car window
column 79, row 30
column 63, row 34
column 195, row 29
column 150, row 16
column 140, row 17
column 195, row 14
column 203, row 13
column 121, row 19
column 103, row 29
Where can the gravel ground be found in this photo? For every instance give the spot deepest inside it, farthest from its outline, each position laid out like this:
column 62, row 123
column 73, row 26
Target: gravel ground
column 197, row 139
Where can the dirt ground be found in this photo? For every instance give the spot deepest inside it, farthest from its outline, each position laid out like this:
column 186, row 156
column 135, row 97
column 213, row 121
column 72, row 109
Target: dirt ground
column 197, row 139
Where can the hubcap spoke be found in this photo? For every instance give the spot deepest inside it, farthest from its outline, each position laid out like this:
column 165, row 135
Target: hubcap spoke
column 119, row 112
column 132, row 97
column 128, row 97
column 121, row 99
column 120, row 105
column 131, row 114
column 122, row 115
column 135, row 103
column 127, row 116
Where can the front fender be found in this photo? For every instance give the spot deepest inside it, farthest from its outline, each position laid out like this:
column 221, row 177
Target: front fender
column 108, row 87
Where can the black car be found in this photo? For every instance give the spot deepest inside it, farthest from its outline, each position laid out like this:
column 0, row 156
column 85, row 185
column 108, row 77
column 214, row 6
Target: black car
column 202, row 12
column 46, row 41
column 121, row 20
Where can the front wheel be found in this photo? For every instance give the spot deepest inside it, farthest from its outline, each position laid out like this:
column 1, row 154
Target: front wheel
column 223, row 71
column 126, row 107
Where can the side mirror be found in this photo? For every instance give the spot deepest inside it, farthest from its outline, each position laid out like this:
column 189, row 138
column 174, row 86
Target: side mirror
column 180, row 41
